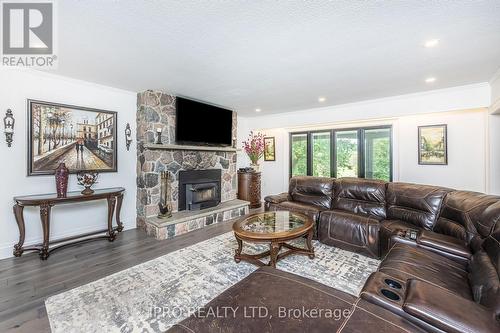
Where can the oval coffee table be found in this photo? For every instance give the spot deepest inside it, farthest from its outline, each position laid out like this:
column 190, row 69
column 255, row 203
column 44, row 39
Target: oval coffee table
column 275, row 228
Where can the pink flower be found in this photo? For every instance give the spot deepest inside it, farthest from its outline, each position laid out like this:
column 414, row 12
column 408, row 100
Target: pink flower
column 254, row 146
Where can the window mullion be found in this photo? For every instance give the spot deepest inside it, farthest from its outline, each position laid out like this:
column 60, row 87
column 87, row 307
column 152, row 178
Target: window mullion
column 361, row 153
column 309, row 154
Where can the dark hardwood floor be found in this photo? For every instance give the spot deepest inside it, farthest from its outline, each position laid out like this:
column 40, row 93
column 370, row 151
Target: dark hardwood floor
column 27, row 281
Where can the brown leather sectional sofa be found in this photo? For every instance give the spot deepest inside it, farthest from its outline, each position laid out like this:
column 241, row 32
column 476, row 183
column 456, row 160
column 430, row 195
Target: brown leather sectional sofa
column 439, row 273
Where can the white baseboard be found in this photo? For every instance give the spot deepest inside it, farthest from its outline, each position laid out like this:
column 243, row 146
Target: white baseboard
column 7, row 248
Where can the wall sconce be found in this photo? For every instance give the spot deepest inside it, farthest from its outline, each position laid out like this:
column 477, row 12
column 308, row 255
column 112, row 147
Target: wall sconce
column 128, row 136
column 8, row 122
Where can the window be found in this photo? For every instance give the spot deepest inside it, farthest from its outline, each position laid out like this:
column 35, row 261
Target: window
column 378, row 153
column 358, row 152
column 346, row 154
column 321, row 154
column 298, row 157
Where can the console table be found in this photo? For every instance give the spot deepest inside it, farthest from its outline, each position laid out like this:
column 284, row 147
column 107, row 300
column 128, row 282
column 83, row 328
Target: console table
column 114, row 197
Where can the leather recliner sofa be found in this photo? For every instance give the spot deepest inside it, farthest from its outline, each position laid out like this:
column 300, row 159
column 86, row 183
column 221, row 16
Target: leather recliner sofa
column 439, row 273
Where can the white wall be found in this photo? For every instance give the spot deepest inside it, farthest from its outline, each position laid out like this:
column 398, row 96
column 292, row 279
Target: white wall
column 494, row 138
column 494, row 134
column 495, row 93
column 16, row 86
column 467, row 141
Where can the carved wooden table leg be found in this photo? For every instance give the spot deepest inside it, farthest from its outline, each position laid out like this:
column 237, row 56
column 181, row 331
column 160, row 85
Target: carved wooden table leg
column 275, row 249
column 18, row 213
column 237, row 253
column 45, row 218
column 309, row 243
column 111, row 212
column 118, row 210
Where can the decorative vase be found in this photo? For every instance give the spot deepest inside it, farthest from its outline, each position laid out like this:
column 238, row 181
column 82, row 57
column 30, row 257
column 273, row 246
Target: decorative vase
column 62, row 174
column 87, row 179
column 255, row 167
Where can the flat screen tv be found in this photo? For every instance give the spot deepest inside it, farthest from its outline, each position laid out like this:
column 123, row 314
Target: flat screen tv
column 202, row 124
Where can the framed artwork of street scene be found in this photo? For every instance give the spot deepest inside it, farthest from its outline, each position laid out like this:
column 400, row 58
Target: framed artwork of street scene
column 82, row 138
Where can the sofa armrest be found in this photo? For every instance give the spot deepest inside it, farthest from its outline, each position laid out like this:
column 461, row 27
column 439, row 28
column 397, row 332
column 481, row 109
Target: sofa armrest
column 278, row 198
column 446, row 310
column 447, row 246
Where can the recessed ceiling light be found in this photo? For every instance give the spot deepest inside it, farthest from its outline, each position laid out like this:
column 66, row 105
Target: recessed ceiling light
column 321, row 99
column 258, row 110
column 430, row 80
column 431, row 43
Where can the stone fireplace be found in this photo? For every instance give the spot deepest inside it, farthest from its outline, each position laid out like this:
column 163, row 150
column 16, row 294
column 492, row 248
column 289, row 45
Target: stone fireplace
column 155, row 110
column 199, row 189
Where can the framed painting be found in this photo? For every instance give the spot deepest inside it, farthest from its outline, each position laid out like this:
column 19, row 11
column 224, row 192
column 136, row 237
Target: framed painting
column 82, row 138
column 269, row 149
column 432, row 145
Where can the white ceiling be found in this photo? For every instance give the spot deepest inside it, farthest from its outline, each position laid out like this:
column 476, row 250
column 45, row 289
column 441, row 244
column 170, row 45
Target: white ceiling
column 278, row 55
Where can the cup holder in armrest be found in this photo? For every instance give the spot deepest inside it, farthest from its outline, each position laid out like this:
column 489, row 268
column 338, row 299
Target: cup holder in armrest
column 390, row 295
column 393, row 284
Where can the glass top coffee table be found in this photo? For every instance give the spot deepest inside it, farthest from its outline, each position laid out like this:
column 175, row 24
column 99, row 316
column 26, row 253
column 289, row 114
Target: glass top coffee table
column 274, row 228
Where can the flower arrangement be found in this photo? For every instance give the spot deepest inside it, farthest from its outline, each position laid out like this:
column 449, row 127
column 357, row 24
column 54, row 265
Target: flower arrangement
column 254, row 147
column 87, row 179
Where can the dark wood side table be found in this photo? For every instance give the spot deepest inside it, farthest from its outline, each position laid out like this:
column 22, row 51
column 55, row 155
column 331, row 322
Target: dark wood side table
column 249, row 188
column 114, row 197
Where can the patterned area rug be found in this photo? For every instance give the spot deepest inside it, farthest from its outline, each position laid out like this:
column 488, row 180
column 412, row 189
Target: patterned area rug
column 153, row 296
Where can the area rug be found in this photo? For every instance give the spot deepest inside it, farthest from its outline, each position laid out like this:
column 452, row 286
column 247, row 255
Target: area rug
column 153, row 296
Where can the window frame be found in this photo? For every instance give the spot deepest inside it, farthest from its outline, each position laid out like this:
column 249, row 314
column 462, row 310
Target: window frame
column 333, row 150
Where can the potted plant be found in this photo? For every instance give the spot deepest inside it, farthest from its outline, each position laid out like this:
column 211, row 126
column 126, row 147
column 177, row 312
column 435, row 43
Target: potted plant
column 254, row 148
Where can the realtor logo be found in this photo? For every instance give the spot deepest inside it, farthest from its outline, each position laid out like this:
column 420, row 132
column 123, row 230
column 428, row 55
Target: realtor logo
column 28, row 34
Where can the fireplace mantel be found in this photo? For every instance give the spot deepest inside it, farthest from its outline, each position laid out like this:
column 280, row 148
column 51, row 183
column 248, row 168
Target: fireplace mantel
column 187, row 147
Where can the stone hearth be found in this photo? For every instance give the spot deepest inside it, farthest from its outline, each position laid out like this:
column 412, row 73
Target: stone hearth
column 186, row 221
column 157, row 110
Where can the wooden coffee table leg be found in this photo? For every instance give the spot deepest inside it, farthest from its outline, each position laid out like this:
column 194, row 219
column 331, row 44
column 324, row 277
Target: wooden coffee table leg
column 237, row 252
column 275, row 249
column 309, row 243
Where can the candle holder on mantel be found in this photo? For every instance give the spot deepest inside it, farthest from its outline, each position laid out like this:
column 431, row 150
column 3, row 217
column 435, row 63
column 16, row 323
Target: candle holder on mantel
column 158, row 136
column 164, row 205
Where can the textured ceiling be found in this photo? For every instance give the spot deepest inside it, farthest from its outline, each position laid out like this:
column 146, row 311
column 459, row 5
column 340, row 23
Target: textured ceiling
column 278, row 55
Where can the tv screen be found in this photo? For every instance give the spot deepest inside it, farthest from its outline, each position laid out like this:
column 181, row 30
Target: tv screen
column 203, row 124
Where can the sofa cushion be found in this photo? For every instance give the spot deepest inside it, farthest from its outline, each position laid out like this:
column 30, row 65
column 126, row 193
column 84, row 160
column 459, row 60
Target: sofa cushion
column 298, row 207
column 348, row 231
column 467, row 215
column 317, row 191
column 446, row 310
column 361, row 196
column 416, row 204
column 484, row 273
column 404, row 262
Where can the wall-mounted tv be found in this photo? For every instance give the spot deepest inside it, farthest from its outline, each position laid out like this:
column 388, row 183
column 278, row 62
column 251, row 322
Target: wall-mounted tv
column 202, row 124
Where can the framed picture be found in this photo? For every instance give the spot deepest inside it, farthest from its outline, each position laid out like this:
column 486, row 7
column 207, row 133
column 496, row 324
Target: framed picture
column 269, row 149
column 432, row 145
column 82, row 138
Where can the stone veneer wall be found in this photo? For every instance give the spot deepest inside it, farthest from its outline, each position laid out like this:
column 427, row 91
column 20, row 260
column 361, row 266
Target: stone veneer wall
column 157, row 109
